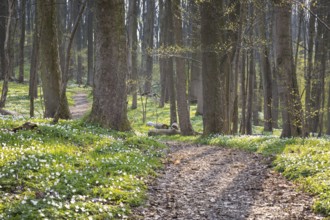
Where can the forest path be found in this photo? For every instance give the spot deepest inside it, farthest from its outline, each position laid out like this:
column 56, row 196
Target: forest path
column 209, row 182
column 81, row 105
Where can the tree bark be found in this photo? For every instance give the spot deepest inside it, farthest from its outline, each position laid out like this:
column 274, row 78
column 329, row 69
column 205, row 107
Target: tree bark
column 109, row 95
column 3, row 21
column 288, row 89
column 90, row 42
column 33, row 89
column 266, row 72
column 22, row 42
column 183, row 111
column 133, row 47
column 147, row 44
column 7, row 52
column 51, row 74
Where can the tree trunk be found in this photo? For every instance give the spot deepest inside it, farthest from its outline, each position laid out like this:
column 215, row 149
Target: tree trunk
column 328, row 112
column 251, row 82
column 162, row 32
column 33, row 89
column 288, row 89
column 183, row 111
column 266, row 72
column 308, row 75
column 51, row 74
column 3, row 22
column 133, row 47
column 147, row 44
column 109, row 96
column 21, row 44
column 90, row 43
column 7, row 52
column 78, row 39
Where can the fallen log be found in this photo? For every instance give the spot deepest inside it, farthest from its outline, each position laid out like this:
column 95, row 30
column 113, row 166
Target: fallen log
column 155, row 132
column 26, row 126
column 6, row 112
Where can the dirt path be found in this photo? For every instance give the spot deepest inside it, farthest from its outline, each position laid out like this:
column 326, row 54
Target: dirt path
column 81, row 105
column 207, row 182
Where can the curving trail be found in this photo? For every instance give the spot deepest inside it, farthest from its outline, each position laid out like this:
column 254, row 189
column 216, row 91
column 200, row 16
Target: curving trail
column 81, row 105
column 208, row 182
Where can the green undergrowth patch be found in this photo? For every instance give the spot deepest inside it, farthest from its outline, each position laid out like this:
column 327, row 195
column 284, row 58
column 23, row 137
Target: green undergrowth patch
column 73, row 170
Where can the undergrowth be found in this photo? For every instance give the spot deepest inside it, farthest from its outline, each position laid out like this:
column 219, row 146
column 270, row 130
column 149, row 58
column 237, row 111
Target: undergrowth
column 72, row 170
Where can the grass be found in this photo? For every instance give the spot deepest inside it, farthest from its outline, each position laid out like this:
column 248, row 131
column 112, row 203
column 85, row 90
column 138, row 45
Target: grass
column 73, row 170
column 78, row 170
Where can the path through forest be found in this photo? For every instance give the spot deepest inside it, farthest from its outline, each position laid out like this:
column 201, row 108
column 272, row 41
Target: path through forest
column 81, row 105
column 209, row 182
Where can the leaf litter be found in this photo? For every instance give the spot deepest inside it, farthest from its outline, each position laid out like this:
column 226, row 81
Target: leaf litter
column 210, row 182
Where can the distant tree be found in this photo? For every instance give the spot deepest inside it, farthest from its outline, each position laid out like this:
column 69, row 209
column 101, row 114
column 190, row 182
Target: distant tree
column 133, row 48
column 147, row 42
column 109, row 94
column 3, row 16
column 90, row 40
column 22, row 42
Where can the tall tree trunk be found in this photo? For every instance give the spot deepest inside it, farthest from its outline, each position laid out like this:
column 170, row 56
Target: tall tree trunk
column 51, row 74
column 109, row 95
column 133, row 47
column 7, row 48
column 288, row 89
column 78, row 39
column 3, row 22
column 328, row 112
column 22, row 42
column 90, row 43
column 183, row 111
column 266, row 72
column 213, row 90
column 243, row 93
column 33, row 89
column 251, row 82
column 162, row 33
column 308, row 76
column 147, row 44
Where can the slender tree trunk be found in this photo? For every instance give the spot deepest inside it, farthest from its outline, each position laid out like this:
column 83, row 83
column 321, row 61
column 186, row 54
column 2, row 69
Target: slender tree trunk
column 328, row 112
column 7, row 48
column 251, row 82
column 22, row 42
column 243, row 93
column 78, row 40
column 90, row 42
column 147, row 43
column 7, row 52
column 33, row 89
column 3, row 22
column 133, row 47
column 162, row 32
column 183, row 111
column 308, row 76
column 109, row 96
column 266, row 72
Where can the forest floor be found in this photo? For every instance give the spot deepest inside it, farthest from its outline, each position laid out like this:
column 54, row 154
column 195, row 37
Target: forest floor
column 81, row 105
column 211, row 182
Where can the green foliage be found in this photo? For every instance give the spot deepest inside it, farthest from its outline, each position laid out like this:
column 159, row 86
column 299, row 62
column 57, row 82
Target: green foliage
column 72, row 170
